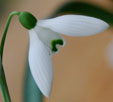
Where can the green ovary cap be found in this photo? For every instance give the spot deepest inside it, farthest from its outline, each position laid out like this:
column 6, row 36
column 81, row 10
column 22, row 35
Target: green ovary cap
column 27, row 20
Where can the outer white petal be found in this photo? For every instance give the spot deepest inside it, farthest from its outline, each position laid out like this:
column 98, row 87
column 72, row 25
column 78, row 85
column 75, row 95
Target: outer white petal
column 40, row 62
column 47, row 36
column 75, row 25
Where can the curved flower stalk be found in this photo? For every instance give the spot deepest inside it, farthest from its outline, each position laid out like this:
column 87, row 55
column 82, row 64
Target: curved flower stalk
column 45, row 37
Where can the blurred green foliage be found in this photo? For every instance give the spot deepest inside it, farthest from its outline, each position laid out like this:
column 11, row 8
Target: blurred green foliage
column 85, row 9
column 31, row 90
column 3, row 5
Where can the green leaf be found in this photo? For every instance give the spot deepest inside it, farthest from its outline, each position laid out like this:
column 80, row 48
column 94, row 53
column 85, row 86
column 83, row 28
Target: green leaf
column 31, row 90
column 85, row 9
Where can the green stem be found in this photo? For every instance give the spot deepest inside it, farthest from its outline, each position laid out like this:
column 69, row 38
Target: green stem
column 5, row 31
column 3, row 82
column 4, row 87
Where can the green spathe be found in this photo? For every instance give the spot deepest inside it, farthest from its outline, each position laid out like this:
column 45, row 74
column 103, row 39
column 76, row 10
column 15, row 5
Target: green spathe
column 27, row 20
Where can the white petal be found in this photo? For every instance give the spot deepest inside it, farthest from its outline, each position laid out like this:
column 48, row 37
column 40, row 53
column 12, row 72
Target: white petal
column 40, row 62
column 75, row 25
column 47, row 36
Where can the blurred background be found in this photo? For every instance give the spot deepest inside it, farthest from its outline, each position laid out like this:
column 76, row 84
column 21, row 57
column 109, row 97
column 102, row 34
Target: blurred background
column 82, row 72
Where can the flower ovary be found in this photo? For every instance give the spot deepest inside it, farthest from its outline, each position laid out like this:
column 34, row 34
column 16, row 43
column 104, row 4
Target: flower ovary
column 27, row 20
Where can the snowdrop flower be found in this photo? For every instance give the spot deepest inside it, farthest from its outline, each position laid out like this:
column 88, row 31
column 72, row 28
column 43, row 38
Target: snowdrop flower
column 45, row 36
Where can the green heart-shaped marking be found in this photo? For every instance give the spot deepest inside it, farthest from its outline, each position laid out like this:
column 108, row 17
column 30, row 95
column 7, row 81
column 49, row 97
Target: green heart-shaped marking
column 54, row 43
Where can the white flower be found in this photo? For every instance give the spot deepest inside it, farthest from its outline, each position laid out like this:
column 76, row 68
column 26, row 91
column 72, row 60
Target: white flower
column 45, row 37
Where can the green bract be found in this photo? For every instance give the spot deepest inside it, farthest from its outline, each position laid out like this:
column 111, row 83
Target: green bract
column 27, row 20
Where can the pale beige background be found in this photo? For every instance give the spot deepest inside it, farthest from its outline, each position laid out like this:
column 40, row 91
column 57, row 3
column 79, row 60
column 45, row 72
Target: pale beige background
column 81, row 71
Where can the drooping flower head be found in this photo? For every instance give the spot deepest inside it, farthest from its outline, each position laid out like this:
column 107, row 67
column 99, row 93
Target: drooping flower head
column 45, row 37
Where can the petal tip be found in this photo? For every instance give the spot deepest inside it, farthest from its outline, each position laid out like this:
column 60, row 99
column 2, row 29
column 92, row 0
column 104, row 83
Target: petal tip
column 46, row 92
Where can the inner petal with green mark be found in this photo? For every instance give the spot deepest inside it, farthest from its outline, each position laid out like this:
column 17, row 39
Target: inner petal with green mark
column 54, row 44
column 49, row 38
